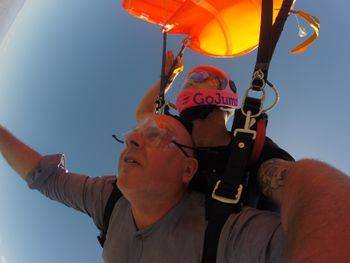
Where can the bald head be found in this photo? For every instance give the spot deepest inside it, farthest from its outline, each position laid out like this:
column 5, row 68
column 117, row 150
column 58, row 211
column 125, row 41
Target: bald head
column 175, row 126
column 156, row 160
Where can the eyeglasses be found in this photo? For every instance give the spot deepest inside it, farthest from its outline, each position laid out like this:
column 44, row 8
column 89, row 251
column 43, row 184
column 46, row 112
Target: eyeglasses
column 204, row 76
column 155, row 137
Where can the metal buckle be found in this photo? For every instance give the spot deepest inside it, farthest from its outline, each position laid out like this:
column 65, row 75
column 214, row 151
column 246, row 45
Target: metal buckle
column 161, row 108
column 249, row 121
column 226, row 199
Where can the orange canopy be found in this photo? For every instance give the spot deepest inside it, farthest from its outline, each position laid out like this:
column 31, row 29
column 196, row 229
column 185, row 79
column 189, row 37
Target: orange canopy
column 214, row 27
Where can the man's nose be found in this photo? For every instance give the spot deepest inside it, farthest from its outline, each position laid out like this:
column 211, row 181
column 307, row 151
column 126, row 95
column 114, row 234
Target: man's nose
column 134, row 139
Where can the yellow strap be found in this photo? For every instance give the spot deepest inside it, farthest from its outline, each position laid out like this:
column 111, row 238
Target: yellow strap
column 314, row 23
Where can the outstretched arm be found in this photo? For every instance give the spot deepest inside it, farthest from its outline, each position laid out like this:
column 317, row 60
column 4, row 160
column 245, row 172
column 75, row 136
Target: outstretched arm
column 315, row 212
column 315, row 208
column 20, row 157
column 147, row 104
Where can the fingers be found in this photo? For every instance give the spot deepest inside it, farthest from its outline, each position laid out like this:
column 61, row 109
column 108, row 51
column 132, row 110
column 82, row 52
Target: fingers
column 172, row 105
column 179, row 65
column 169, row 61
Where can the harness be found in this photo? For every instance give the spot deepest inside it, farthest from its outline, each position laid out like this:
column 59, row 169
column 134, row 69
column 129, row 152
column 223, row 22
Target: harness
column 224, row 196
column 112, row 200
column 248, row 134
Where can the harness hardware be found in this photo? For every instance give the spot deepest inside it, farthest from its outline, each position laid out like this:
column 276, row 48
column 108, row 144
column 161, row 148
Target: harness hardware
column 249, row 121
column 226, row 199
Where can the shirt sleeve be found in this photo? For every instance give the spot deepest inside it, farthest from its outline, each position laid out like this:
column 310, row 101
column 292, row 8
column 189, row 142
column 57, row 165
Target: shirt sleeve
column 252, row 236
column 272, row 150
column 83, row 193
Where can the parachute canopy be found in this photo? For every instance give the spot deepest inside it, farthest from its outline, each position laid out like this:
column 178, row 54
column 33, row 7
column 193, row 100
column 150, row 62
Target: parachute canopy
column 217, row 28
column 213, row 27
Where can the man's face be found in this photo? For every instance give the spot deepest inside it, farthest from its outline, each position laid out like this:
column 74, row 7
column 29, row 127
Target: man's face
column 150, row 164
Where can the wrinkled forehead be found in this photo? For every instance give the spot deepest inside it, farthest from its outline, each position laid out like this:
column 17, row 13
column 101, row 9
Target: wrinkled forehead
column 169, row 123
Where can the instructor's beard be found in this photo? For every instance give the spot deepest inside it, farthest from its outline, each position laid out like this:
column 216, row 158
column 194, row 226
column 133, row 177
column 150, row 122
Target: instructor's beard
column 200, row 112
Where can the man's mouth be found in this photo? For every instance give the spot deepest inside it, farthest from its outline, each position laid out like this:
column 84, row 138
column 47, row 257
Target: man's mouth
column 131, row 160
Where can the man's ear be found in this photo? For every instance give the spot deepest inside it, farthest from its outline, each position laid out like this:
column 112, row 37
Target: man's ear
column 191, row 167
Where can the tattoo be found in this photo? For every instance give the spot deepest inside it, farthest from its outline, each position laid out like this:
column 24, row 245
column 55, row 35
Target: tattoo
column 272, row 174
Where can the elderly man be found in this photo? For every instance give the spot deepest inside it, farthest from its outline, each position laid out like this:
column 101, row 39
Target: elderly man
column 159, row 219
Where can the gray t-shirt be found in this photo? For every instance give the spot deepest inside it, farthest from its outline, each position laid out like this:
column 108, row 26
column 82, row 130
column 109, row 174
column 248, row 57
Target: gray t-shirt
column 250, row 236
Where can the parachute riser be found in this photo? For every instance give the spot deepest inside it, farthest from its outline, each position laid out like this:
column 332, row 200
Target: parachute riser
column 160, row 100
column 162, row 106
column 252, row 109
column 258, row 85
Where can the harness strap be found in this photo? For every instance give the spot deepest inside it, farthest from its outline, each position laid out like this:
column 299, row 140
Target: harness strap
column 217, row 214
column 227, row 192
column 226, row 196
column 112, row 200
column 269, row 34
column 167, row 79
column 265, row 49
column 259, row 140
column 163, row 78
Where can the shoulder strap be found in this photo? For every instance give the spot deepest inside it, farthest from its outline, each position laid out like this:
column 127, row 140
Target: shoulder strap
column 112, row 200
column 225, row 198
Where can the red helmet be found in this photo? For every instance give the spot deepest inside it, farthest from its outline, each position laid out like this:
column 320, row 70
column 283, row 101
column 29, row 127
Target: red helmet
column 219, row 89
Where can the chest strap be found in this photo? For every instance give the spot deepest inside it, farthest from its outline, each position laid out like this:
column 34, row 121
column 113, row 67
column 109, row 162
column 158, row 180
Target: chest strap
column 112, row 200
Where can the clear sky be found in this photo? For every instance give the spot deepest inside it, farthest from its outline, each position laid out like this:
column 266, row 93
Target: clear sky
column 72, row 73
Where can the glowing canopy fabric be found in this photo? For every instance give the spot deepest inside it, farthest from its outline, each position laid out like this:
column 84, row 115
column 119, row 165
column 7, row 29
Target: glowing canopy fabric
column 214, row 27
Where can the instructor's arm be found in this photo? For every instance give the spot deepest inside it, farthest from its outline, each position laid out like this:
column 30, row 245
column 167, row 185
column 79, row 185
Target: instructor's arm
column 147, row 104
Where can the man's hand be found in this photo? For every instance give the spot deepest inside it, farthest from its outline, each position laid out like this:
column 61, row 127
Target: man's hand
column 19, row 156
column 147, row 104
column 179, row 66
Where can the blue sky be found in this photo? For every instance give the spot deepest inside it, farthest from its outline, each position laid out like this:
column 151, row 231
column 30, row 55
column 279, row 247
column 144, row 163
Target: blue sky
column 72, row 73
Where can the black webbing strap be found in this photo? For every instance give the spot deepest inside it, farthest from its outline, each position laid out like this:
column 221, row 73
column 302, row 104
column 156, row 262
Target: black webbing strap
column 231, row 185
column 165, row 79
column 217, row 213
column 233, row 180
column 226, row 196
column 265, row 38
column 269, row 35
column 112, row 200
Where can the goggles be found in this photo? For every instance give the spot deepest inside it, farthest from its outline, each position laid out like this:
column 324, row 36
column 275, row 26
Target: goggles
column 154, row 136
column 199, row 77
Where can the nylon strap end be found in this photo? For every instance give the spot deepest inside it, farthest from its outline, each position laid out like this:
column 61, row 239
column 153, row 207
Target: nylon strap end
column 314, row 23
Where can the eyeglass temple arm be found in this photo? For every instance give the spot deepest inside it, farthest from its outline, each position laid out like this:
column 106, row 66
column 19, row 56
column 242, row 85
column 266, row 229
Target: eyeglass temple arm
column 117, row 139
column 181, row 146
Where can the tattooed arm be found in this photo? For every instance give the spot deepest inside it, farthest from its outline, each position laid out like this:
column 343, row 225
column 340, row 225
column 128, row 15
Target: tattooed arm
column 271, row 176
column 315, row 208
column 147, row 104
